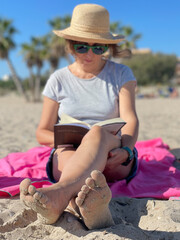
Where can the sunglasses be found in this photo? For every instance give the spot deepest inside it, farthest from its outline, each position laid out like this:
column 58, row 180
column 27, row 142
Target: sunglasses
column 82, row 48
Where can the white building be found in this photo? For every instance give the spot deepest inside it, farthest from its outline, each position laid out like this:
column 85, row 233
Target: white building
column 5, row 78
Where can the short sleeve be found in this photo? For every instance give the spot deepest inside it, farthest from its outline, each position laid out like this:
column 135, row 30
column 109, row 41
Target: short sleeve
column 51, row 88
column 126, row 75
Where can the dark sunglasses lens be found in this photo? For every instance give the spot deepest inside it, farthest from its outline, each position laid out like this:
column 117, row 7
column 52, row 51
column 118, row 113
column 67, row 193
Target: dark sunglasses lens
column 99, row 50
column 81, row 48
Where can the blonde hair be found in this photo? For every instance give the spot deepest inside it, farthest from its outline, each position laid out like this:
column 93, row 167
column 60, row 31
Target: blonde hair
column 114, row 50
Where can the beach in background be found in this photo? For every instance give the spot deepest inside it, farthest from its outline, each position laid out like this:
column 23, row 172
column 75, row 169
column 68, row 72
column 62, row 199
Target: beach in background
column 158, row 116
column 146, row 218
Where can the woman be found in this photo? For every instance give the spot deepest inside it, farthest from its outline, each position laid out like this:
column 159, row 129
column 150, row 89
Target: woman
column 91, row 89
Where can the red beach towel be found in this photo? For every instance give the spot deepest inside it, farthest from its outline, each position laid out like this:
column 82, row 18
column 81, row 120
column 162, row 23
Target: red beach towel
column 156, row 176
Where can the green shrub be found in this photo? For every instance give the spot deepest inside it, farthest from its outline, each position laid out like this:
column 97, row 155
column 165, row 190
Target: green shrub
column 8, row 85
column 150, row 69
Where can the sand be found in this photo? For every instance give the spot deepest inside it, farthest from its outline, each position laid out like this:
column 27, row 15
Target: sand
column 136, row 219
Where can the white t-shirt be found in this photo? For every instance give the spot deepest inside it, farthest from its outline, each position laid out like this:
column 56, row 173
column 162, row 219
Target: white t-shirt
column 90, row 100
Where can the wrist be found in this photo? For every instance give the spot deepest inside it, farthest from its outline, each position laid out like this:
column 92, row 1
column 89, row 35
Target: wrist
column 130, row 156
column 125, row 153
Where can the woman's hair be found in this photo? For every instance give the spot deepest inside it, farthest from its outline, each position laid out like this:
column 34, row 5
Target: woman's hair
column 114, row 50
column 69, row 46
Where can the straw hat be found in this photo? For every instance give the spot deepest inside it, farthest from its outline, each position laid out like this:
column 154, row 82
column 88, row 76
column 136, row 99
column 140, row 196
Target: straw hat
column 90, row 23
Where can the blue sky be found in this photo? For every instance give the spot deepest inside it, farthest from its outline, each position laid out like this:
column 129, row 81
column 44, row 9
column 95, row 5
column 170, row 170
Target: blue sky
column 157, row 20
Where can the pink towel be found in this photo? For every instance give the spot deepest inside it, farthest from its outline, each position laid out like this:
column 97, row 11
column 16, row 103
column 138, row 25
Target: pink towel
column 17, row 166
column 156, row 176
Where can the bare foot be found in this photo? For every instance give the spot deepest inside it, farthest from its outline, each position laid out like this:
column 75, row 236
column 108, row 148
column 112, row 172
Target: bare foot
column 48, row 202
column 93, row 202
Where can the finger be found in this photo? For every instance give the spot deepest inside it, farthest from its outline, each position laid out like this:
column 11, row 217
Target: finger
column 112, row 154
column 115, row 150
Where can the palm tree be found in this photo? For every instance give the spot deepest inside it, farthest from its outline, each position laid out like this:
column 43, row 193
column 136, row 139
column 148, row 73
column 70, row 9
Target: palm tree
column 131, row 37
column 6, row 44
column 34, row 55
column 57, row 45
column 128, row 32
column 28, row 52
column 40, row 56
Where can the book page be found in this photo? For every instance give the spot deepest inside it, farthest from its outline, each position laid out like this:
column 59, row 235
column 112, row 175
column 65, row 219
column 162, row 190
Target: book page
column 112, row 125
column 113, row 128
column 78, row 124
column 111, row 121
column 66, row 119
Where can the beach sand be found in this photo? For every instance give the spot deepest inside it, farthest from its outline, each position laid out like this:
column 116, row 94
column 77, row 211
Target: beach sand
column 136, row 219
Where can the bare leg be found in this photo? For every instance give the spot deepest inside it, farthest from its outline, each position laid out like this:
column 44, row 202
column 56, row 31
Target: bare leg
column 91, row 154
column 93, row 201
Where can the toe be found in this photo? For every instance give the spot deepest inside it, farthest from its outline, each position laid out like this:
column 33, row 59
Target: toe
column 81, row 195
column 37, row 196
column 24, row 185
column 85, row 189
column 40, row 197
column 31, row 190
column 79, row 201
column 90, row 183
column 99, row 178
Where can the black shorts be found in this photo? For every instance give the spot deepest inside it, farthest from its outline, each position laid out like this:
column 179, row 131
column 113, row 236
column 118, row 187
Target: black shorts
column 131, row 175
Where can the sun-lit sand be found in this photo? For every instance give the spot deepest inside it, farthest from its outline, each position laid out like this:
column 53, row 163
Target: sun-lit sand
column 139, row 219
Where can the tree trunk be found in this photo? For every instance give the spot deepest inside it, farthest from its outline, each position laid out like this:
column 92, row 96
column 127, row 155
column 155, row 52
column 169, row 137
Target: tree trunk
column 31, row 82
column 37, row 86
column 16, row 80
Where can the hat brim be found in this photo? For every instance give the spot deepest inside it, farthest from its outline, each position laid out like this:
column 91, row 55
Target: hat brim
column 90, row 37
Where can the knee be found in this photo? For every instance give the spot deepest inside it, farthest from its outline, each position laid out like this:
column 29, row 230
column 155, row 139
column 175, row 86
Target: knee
column 96, row 133
column 97, row 130
column 100, row 136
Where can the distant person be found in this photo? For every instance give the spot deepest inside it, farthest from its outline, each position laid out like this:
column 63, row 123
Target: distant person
column 173, row 92
column 91, row 89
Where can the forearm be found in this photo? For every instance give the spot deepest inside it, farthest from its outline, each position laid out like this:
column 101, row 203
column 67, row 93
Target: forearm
column 45, row 137
column 130, row 133
column 128, row 113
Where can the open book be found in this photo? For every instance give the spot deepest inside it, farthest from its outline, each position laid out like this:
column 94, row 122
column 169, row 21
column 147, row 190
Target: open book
column 71, row 130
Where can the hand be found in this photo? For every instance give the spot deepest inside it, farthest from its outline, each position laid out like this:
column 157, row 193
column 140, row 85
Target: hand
column 116, row 157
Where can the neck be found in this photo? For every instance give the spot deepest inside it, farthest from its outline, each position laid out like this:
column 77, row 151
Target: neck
column 82, row 71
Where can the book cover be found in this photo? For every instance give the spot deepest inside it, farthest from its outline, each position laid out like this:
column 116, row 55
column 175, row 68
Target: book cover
column 71, row 130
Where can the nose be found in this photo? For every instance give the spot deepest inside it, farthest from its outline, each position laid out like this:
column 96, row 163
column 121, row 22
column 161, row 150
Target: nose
column 90, row 52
